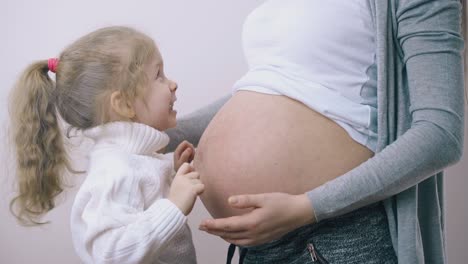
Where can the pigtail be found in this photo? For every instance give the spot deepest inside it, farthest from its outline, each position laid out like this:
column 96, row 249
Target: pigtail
column 89, row 71
column 40, row 153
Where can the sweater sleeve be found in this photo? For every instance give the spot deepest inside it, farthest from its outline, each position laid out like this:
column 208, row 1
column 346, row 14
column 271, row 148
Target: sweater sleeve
column 112, row 224
column 429, row 37
column 191, row 127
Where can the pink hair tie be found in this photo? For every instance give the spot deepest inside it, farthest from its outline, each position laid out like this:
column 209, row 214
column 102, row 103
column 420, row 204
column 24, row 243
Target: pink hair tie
column 52, row 64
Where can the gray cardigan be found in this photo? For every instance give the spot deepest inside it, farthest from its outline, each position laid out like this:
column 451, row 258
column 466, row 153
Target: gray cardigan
column 420, row 126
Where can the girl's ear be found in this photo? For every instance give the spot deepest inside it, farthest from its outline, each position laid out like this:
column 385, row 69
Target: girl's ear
column 121, row 105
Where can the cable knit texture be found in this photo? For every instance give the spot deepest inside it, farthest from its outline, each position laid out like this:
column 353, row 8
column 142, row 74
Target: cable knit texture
column 121, row 214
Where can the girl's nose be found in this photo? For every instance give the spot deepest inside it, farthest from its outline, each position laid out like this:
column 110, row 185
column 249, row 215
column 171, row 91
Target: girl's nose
column 172, row 86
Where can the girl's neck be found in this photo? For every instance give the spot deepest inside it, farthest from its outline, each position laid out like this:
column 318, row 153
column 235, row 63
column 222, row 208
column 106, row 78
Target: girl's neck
column 131, row 137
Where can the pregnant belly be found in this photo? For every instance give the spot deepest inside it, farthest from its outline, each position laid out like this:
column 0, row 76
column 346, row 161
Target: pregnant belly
column 262, row 143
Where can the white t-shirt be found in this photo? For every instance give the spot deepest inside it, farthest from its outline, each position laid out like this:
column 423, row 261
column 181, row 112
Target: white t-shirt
column 321, row 53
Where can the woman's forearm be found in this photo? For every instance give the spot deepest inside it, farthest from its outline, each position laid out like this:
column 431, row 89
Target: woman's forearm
column 191, row 126
column 420, row 153
column 432, row 50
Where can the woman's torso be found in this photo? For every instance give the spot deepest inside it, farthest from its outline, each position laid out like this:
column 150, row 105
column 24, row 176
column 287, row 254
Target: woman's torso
column 300, row 49
column 266, row 143
column 276, row 133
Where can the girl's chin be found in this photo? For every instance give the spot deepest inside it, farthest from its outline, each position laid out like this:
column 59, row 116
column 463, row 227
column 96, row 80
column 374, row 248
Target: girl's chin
column 173, row 115
column 173, row 121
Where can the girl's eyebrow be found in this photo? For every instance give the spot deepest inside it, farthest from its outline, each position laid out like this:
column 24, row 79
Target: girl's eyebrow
column 157, row 66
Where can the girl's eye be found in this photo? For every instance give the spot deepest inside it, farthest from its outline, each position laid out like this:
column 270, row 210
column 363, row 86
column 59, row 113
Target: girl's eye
column 160, row 75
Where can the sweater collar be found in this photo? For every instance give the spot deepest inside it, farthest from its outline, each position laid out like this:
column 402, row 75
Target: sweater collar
column 132, row 137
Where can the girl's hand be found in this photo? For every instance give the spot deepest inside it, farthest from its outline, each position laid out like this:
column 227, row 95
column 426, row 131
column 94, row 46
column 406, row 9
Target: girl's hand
column 185, row 188
column 185, row 152
column 272, row 216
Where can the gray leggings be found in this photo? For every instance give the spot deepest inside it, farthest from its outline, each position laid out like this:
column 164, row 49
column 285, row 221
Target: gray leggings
column 361, row 236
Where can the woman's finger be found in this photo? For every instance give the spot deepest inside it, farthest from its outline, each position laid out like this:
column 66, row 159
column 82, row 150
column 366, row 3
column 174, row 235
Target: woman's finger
column 246, row 201
column 248, row 239
column 231, row 235
column 232, row 224
column 241, row 242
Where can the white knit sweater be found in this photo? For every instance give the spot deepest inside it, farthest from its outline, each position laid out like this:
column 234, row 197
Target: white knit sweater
column 120, row 214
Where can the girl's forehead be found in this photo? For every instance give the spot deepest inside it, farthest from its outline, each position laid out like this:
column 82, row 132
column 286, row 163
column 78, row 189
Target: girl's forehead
column 156, row 58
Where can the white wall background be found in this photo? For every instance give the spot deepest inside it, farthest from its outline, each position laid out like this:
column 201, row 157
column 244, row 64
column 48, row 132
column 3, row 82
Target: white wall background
column 200, row 43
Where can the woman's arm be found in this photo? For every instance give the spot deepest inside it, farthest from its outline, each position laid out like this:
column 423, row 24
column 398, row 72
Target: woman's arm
column 429, row 35
column 191, row 126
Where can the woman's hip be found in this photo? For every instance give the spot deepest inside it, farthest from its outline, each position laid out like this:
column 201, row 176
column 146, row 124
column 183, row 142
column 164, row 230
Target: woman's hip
column 361, row 236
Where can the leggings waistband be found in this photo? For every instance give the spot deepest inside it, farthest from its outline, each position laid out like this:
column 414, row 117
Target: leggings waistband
column 350, row 233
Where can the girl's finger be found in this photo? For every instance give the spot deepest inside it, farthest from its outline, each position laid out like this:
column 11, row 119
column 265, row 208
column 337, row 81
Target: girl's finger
column 199, row 188
column 180, row 148
column 186, row 154
column 192, row 175
column 196, row 181
column 184, row 169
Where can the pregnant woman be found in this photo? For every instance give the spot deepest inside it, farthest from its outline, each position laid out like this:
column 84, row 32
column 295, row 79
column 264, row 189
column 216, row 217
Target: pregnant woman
column 332, row 145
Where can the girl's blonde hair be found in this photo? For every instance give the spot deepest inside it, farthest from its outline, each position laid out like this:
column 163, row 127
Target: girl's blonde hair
column 107, row 60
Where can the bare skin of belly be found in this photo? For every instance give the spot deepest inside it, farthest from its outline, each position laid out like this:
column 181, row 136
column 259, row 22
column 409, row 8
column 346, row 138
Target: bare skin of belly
column 261, row 143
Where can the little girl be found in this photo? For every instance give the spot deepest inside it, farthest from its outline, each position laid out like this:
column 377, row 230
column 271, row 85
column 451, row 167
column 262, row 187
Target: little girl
column 110, row 84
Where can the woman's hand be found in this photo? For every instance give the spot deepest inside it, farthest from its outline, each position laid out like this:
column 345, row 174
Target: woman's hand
column 185, row 188
column 185, row 152
column 272, row 216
